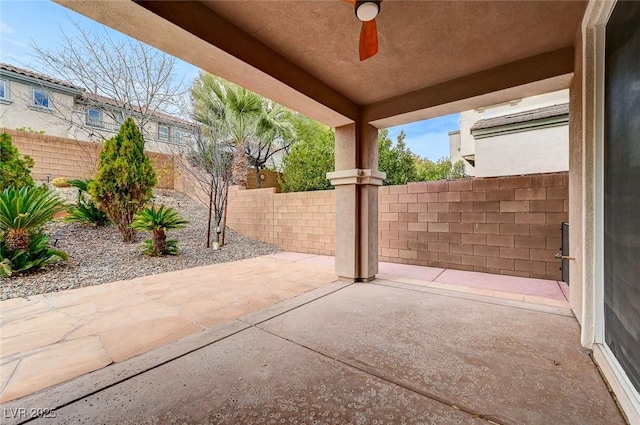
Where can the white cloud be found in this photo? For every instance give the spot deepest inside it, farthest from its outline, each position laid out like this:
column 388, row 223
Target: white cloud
column 15, row 42
column 6, row 29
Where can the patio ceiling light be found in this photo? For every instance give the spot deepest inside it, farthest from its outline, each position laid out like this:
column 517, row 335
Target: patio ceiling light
column 367, row 10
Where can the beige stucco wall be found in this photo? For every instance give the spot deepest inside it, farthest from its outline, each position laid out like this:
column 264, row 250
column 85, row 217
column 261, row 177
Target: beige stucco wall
column 17, row 113
column 537, row 151
column 575, row 185
column 455, row 152
column 527, row 152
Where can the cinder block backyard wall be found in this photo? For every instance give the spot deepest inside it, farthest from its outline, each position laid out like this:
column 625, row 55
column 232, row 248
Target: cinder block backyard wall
column 74, row 159
column 505, row 225
column 300, row 222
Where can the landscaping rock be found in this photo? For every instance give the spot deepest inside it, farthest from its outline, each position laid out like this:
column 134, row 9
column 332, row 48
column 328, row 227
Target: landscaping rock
column 98, row 255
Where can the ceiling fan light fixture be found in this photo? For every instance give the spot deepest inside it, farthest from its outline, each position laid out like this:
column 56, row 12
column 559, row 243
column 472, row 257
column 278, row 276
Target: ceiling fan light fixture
column 367, row 10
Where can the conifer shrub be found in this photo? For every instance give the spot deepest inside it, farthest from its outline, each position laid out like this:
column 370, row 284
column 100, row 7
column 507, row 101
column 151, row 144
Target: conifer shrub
column 125, row 178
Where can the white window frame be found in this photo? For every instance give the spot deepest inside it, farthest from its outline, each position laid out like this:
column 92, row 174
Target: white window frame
column 5, row 95
column 180, row 135
column 33, row 98
column 164, row 138
column 92, row 122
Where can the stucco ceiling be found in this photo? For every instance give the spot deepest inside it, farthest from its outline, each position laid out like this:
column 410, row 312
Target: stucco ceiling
column 434, row 56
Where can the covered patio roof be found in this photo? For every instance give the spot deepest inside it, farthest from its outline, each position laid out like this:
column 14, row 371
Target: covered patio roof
column 435, row 57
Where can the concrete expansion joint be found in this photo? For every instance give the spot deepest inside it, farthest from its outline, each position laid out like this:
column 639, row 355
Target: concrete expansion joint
column 369, row 370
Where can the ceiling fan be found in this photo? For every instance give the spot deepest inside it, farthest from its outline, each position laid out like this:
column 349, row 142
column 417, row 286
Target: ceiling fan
column 366, row 11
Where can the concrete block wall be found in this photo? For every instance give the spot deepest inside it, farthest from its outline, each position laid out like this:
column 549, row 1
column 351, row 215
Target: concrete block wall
column 505, row 225
column 74, row 159
column 300, row 222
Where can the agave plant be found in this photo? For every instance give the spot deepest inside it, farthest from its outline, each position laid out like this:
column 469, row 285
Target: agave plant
column 23, row 213
column 158, row 221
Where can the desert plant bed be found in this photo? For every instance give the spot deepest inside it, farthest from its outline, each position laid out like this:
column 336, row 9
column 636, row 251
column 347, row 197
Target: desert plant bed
column 98, row 255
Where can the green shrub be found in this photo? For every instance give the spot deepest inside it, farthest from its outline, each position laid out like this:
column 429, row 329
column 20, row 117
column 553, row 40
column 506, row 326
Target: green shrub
column 85, row 211
column 310, row 159
column 60, row 182
column 158, row 221
column 37, row 254
column 125, row 178
column 23, row 213
column 14, row 171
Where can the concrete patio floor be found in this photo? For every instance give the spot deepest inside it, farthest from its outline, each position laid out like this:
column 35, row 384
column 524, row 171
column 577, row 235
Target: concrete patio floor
column 406, row 348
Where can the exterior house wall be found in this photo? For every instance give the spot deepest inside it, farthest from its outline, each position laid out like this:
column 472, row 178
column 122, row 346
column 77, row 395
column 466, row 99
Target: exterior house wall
column 528, row 152
column 17, row 111
column 109, row 127
column 455, row 153
column 507, row 225
column 73, row 159
column 587, row 198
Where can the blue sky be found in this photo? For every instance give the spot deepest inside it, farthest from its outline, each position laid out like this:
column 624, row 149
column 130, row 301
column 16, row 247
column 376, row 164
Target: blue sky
column 25, row 22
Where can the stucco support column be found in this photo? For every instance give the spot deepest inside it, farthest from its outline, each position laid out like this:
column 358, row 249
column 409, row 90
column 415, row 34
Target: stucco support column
column 356, row 180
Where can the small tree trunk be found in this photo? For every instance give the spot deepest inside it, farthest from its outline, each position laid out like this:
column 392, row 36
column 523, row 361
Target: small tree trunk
column 159, row 242
column 258, row 179
column 123, row 221
column 128, row 235
column 210, row 211
column 224, row 215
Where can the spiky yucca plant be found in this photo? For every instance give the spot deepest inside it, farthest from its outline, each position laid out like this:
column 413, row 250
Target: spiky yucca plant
column 23, row 212
column 158, row 221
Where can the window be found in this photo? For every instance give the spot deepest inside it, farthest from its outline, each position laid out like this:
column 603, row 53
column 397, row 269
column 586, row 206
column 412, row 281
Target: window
column 119, row 117
column 94, row 117
column 163, row 132
column 3, row 90
column 41, row 98
column 180, row 136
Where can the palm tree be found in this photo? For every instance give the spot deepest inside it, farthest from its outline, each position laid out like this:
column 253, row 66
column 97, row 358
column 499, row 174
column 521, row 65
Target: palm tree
column 158, row 221
column 23, row 213
column 258, row 126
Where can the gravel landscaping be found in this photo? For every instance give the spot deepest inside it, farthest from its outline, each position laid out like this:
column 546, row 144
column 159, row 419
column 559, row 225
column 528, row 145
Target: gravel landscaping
column 98, row 255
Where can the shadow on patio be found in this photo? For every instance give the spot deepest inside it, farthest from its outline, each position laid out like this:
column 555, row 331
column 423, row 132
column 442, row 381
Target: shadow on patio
column 402, row 349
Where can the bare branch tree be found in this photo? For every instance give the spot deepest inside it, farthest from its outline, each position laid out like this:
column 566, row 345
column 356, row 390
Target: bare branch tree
column 120, row 78
column 213, row 164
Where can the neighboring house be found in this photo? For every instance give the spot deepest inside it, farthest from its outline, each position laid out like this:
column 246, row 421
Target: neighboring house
column 523, row 136
column 38, row 102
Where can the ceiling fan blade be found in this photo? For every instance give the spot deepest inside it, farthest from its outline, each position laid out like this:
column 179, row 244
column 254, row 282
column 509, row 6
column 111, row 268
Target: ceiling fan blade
column 368, row 39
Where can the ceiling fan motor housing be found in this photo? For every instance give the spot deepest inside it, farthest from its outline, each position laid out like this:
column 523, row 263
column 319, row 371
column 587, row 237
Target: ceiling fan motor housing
column 367, row 10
